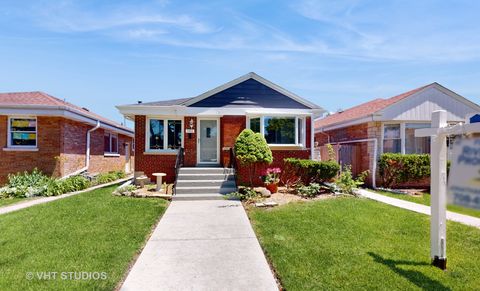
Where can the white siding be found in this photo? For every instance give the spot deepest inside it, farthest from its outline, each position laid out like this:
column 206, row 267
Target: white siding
column 419, row 107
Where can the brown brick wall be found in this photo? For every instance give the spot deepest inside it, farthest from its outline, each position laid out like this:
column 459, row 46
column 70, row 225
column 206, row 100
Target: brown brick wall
column 231, row 126
column 190, row 143
column 62, row 145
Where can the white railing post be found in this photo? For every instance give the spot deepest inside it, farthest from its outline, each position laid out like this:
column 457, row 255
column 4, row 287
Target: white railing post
column 438, row 162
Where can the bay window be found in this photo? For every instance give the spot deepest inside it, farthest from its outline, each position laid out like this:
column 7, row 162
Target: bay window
column 164, row 134
column 22, row 132
column 400, row 138
column 279, row 130
column 110, row 143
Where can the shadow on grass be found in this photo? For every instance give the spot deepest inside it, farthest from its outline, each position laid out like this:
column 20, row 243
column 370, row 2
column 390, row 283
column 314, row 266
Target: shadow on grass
column 416, row 277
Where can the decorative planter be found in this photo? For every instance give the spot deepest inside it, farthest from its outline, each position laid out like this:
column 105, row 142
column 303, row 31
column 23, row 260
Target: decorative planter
column 273, row 188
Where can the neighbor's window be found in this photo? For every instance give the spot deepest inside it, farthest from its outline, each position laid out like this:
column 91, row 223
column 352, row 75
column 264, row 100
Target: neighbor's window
column 391, row 138
column 110, row 143
column 416, row 145
column 300, row 128
column 164, row 134
column 279, row 130
column 22, row 132
column 255, row 124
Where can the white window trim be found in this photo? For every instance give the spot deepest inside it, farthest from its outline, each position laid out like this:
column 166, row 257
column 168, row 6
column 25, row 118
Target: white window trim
column 165, row 135
column 262, row 128
column 402, row 133
column 110, row 153
column 9, row 134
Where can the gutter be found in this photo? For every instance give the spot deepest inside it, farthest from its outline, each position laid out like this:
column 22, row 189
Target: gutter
column 87, row 153
column 374, row 166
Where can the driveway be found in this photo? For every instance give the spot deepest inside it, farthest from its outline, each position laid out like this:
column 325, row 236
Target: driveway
column 202, row 245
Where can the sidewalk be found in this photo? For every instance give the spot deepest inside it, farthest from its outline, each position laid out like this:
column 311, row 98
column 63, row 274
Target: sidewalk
column 453, row 216
column 202, row 245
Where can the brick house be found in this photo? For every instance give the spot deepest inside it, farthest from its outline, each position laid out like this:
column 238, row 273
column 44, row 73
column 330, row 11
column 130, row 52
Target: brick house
column 361, row 133
column 59, row 138
column 207, row 126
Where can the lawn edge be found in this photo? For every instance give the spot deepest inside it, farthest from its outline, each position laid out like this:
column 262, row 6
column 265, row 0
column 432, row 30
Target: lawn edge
column 137, row 253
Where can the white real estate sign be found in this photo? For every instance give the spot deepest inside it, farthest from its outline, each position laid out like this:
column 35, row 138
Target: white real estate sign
column 464, row 177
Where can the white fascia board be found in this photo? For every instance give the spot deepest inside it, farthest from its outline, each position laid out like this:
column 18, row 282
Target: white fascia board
column 206, row 111
column 60, row 111
column 256, row 78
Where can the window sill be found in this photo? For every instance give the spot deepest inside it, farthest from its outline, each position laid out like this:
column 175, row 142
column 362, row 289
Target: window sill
column 20, row 149
column 162, row 152
column 286, row 146
column 111, row 155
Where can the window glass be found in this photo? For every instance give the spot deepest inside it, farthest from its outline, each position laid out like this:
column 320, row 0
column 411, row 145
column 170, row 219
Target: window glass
column 106, row 143
column 255, row 124
column 174, row 134
column 23, row 132
column 391, row 138
column 156, row 134
column 114, row 143
column 416, row 145
column 279, row 130
column 300, row 131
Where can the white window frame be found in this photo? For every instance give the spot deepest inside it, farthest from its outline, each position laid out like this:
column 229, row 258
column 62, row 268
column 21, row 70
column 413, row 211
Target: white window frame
column 9, row 132
column 403, row 137
column 110, row 135
column 303, row 119
column 165, row 134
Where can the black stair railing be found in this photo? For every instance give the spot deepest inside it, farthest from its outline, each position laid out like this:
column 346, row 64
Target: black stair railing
column 178, row 165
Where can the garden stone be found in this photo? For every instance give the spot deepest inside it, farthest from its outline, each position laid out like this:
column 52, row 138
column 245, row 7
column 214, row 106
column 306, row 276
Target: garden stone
column 259, row 204
column 263, row 191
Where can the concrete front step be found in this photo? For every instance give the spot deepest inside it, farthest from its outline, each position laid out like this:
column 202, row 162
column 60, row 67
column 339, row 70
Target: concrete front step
column 198, row 196
column 190, row 190
column 206, row 183
column 183, row 177
column 200, row 170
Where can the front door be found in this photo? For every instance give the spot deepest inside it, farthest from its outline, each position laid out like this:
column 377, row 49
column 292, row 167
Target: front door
column 208, row 141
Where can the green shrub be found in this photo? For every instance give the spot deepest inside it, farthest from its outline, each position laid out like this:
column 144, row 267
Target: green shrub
column 310, row 190
column 74, row 183
column 26, row 184
column 398, row 168
column 252, row 149
column 347, row 183
column 309, row 171
column 111, row 176
column 244, row 194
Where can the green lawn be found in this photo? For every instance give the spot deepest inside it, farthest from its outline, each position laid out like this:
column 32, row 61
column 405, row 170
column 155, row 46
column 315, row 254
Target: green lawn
column 360, row 244
column 89, row 232
column 425, row 200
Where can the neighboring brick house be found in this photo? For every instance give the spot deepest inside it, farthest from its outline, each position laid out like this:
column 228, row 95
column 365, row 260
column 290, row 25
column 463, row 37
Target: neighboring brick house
column 207, row 126
column 361, row 133
column 40, row 131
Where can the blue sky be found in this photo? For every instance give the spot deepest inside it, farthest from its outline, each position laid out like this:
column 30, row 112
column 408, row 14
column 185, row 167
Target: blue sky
column 98, row 54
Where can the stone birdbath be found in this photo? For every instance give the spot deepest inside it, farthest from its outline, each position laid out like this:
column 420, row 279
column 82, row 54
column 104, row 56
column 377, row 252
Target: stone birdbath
column 159, row 180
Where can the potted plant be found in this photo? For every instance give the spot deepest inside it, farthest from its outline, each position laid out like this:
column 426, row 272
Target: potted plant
column 271, row 178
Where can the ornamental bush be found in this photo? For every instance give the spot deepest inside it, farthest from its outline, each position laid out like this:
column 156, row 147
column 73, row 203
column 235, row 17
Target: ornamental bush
column 397, row 168
column 251, row 149
column 309, row 171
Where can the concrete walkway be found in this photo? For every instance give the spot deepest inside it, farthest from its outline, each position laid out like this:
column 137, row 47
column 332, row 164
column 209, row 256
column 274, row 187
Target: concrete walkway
column 202, row 245
column 453, row 216
column 41, row 200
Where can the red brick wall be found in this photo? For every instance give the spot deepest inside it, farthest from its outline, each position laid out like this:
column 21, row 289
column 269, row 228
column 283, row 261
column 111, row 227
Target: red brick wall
column 151, row 163
column 45, row 159
column 231, row 126
column 278, row 156
column 62, row 145
column 190, row 142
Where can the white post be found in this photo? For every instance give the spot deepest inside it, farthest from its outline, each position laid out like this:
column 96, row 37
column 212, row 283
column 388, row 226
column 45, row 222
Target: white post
column 438, row 162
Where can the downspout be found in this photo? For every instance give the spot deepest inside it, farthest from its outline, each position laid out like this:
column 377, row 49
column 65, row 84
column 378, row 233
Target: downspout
column 87, row 153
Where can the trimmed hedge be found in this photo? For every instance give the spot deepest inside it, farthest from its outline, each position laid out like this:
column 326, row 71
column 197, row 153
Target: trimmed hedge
column 309, row 171
column 400, row 168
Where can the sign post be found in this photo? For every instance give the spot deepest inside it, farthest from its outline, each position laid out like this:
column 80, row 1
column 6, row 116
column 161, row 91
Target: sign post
column 438, row 172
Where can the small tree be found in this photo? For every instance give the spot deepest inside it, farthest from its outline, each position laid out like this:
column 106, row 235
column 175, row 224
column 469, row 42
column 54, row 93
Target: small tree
column 252, row 149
